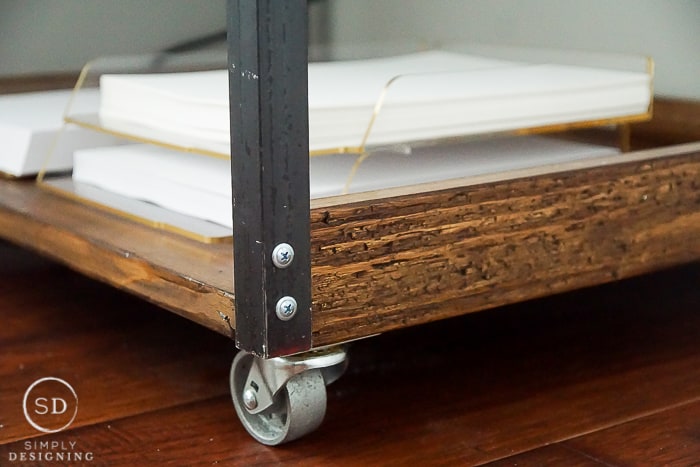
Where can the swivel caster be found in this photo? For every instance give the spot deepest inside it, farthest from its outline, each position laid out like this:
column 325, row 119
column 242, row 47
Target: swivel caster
column 282, row 399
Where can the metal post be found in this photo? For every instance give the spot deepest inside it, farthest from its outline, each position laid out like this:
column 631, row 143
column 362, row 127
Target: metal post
column 268, row 88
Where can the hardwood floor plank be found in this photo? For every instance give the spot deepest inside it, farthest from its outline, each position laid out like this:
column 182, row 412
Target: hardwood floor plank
column 122, row 355
column 553, row 455
column 671, row 437
column 480, row 388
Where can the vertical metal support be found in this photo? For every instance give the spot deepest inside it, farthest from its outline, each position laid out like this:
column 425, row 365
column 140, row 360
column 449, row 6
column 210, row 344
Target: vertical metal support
column 624, row 133
column 268, row 90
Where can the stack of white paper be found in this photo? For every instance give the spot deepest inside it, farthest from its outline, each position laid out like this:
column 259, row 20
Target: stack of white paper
column 29, row 125
column 201, row 186
column 186, row 183
column 423, row 96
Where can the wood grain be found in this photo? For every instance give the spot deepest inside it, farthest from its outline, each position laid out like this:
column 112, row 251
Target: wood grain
column 411, row 259
column 189, row 278
column 553, row 455
column 669, row 437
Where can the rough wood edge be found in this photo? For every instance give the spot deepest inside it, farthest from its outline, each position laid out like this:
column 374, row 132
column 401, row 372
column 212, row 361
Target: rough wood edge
column 199, row 302
column 414, row 259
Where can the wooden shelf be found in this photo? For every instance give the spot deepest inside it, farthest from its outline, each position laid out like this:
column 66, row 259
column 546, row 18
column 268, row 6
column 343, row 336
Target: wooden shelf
column 190, row 278
column 395, row 258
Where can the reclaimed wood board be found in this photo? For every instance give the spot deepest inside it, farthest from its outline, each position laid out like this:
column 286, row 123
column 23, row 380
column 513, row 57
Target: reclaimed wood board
column 401, row 257
column 416, row 258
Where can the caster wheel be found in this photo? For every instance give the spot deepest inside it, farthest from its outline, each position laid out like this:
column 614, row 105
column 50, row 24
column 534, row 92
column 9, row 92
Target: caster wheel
column 297, row 408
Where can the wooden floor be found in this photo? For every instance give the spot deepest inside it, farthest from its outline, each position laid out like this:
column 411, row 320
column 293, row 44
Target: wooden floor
column 604, row 376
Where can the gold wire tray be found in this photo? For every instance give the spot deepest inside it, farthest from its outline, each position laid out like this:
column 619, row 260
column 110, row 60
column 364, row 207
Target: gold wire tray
column 364, row 149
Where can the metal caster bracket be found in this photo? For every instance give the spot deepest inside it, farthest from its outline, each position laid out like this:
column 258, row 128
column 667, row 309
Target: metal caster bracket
column 284, row 398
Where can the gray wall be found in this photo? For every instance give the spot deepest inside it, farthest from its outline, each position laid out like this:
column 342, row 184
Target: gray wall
column 667, row 30
column 44, row 36
column 41, row 36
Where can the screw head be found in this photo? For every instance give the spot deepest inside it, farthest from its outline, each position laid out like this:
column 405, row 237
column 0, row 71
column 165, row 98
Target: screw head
column 249, row 399
column 286, row 308
column 283, row 255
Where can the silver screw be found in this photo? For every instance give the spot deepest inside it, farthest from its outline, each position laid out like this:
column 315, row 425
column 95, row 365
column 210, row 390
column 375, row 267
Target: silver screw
column 286, row 308
column 283, row 255
column 249, row 399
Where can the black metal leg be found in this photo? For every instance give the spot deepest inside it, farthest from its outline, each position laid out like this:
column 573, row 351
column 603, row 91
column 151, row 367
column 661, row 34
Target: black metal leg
column 268, row 79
